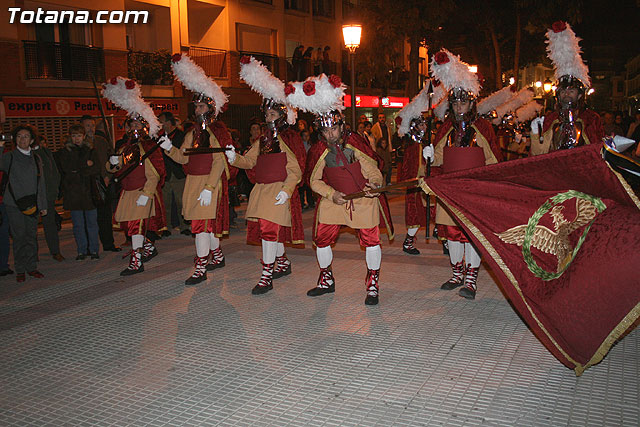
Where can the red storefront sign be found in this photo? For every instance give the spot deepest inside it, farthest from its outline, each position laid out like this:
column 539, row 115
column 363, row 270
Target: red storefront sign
column 368, row 101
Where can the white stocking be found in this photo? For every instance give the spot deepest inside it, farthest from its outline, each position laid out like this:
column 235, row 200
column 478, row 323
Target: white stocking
column 280, row 251
column 215, row 242
column 137, row 240
column 202, row 244
column 269, row 250
column 374, row 257
column 471, row 255
column 456, row 251
column 412, row 231
column 325, row 256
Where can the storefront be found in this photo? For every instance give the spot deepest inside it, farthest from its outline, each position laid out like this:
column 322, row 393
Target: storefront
column 52, row 116
column 370, row 106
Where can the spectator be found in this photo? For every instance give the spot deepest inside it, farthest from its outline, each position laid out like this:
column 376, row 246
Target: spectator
column 317, row 62
column 634, row 124
column 619, row 121
column 381, row 131
column 382, row 148
column 103, row 149
column 304, row 190
column 175, row 178
column 306, row 62
column 26, row 185
column 326, row 61
column 52, row 180
column 363, row 133
column 296, row 62
column 4, row 233
column 78, row 165
column 609, row 126
column 302, row 126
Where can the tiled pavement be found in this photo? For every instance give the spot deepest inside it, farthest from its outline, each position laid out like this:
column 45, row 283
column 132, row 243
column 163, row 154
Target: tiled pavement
column 86, row 347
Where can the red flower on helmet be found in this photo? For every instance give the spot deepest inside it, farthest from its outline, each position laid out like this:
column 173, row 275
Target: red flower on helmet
column 130, row 84
column 398, row 121
column 289, row 89
column 245, row 59
column 442, row 58
column 114, row 81
column 335, row 81
column 176, row 57
column 559, row 26
column 309, row 88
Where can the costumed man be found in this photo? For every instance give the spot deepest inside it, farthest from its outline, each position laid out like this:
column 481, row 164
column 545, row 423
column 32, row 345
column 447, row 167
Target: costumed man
column 464, row 141
column 205, row 199
column 140, row 195
column 277, row 157
column 340, row 163
column 572, row 124
column 412, row 127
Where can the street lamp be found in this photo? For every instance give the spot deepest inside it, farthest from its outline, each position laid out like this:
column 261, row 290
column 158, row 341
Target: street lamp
column 351, row 34
column 547, row 85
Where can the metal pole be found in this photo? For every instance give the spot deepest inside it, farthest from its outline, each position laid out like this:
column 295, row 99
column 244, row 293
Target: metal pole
column 352, row 59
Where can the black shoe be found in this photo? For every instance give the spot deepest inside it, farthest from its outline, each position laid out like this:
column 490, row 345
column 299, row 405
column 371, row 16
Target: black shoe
column 211, row 267
column 279, row 274
column 186, row 232
column 451, row 284
column 467, row 293
column 113, row 249
column 166, row 233
column 191, row 281
column 317, row 291
column 371, row 300
column 152, row 255
column 6, row 272
column 127, row 272
column 95, row 256
column 259, row 290
column 411, row 251
column 80, row 257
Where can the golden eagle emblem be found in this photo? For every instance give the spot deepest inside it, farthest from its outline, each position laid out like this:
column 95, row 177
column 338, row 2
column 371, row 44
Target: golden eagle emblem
column 555, row 242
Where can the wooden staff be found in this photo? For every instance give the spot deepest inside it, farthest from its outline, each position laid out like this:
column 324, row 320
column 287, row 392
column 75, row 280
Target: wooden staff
column 403, row 184
column 429, row 124
column 204, row 150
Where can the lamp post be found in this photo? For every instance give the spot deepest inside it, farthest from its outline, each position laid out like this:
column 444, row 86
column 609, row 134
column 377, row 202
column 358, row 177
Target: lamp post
column 351, row 34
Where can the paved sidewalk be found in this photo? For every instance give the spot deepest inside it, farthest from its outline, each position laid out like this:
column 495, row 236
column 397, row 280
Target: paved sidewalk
column 86, row 347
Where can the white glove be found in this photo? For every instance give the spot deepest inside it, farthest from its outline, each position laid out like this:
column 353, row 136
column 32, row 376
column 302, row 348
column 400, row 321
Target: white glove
column 281, row 198
column 165, row 143
column 230, row 153
column 205, row 197
column 427, row 153
column 535, row 123
column 114, row 160
column 142, row 200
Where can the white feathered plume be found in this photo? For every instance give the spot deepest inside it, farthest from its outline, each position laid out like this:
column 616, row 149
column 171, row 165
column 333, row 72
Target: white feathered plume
column 418, row 104
column 491, row 102
column 563, row 49
column 527, row 112
column 453, row 73
column 193, row 77
column 523, row 96
column 318, row 95
column 260, row 79
column 125, row 94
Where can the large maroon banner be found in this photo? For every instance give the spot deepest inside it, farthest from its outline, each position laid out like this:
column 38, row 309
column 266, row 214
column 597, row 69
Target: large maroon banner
column 562, row 234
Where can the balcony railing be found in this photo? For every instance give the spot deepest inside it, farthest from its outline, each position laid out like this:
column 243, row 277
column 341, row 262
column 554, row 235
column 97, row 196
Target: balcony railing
column 150, row 68
column 324, row 8
column 212, row 61
column 62, row 61
column 272, row 62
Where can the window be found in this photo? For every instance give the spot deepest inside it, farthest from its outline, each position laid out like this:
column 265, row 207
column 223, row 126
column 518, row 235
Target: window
column 299, row 5
column 325, row 8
